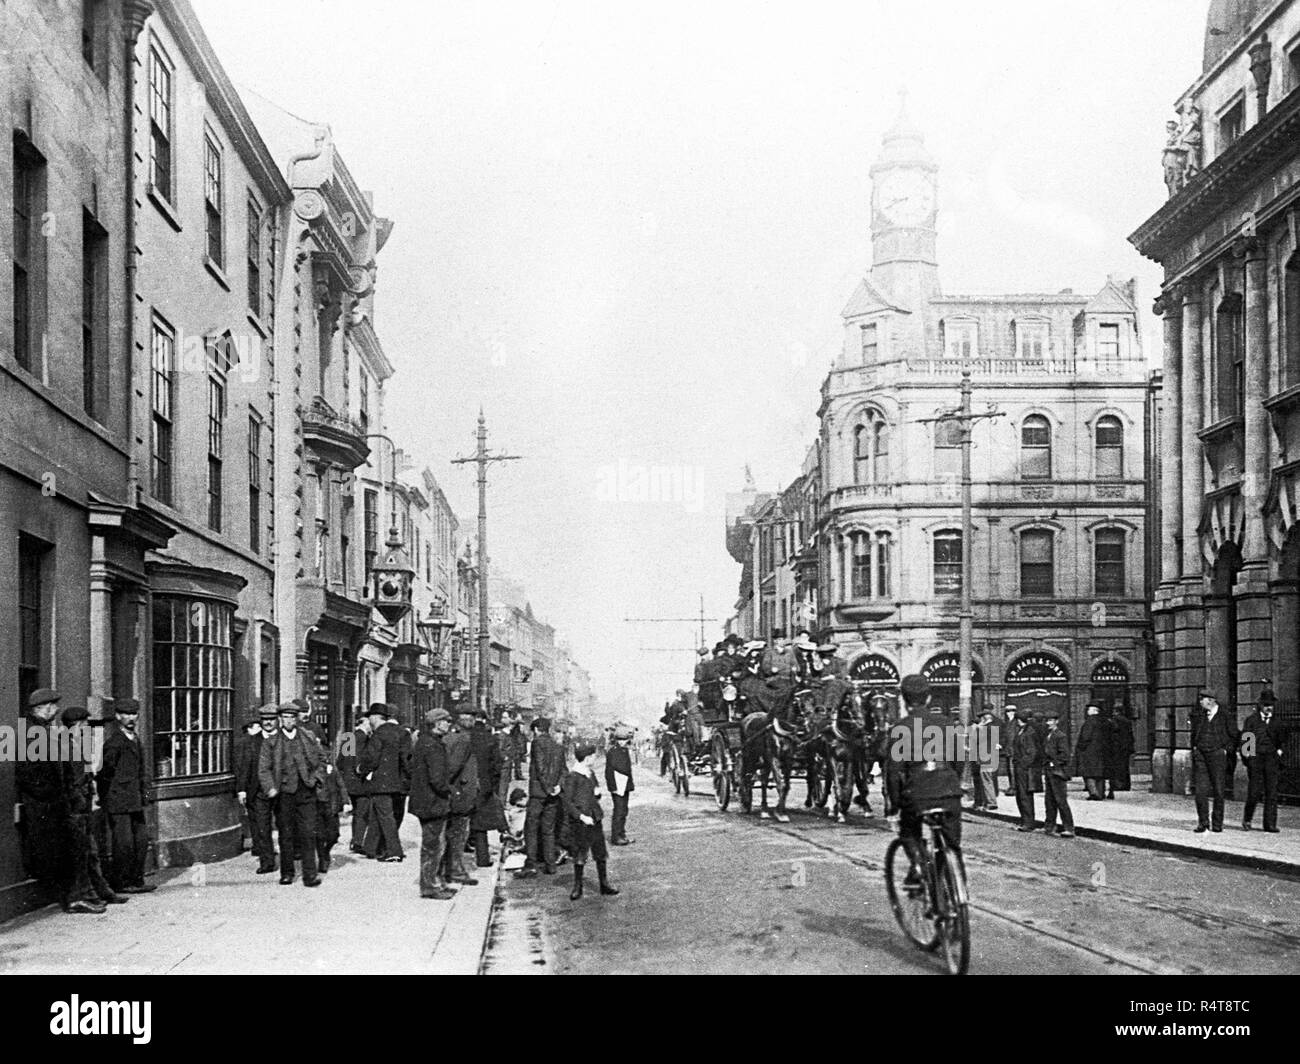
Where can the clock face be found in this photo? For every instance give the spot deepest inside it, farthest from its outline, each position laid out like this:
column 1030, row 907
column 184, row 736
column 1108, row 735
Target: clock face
column 905, row 198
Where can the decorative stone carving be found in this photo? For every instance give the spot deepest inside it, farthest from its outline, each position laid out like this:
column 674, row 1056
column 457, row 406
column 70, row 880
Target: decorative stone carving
column 308, row 204
column 1111, row 491
column 1038, row 491
column 1182, row 157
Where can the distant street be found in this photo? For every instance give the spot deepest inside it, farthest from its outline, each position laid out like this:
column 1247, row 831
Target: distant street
column 711, row 892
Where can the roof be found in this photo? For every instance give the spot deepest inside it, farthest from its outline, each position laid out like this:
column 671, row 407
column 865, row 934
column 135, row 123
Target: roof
column 868, row 299
column 1115, row 297
column 1226, row 24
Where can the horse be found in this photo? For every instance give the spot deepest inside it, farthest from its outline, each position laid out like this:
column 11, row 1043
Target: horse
column 853, row 742
column 767, row 743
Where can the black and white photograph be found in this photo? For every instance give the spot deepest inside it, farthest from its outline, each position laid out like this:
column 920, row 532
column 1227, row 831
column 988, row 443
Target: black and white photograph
column 691, row 488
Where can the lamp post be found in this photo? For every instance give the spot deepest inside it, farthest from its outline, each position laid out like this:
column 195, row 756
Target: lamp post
column 433, row 626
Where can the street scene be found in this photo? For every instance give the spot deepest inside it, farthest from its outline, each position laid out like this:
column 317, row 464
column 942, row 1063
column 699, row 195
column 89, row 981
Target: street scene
column 546, row 489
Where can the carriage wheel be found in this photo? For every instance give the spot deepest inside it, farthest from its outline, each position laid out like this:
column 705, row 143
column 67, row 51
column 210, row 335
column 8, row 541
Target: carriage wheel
column 721, row 776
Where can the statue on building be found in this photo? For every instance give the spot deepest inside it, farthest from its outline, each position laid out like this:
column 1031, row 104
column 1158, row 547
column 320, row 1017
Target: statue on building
column 1192, row 141
column 1174, row 159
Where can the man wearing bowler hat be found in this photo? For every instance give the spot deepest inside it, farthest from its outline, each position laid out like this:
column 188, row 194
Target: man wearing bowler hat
column 1262, row 739
column 261, row 807
column 122, row 792
column 1056, row 773
column 379, row 765
column 291, row 767
column 1213, row 735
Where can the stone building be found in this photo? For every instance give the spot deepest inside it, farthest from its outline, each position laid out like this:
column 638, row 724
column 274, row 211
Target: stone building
column 871, row 531
column 1227, row 608
column 73, row 529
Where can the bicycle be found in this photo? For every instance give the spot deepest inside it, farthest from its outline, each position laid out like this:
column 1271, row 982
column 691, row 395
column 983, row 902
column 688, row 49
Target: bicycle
column 934, row 910
column 678, row 767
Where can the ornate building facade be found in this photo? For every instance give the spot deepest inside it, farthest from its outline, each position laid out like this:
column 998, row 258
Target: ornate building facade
column 871, row 532
column 1227, row 608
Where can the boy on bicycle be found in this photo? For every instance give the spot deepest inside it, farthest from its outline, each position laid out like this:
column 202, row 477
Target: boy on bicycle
column 918, row 776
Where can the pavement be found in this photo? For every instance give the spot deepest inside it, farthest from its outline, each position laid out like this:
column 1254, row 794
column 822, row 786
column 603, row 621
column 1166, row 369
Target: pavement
column 223, row 918
column 1167, row 822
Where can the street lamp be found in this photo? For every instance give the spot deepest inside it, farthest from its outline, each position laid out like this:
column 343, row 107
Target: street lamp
column 393, row 574
column 434, row 625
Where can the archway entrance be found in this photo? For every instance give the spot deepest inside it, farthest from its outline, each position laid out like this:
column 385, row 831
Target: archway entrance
column 1110, row 688
column 1038, row 682
column 874, row 669
column 944, row 671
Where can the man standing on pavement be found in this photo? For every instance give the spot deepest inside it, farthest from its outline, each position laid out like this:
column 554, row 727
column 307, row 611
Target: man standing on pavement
column 66, row 757
column 1056, row 772
column 1092, row 751
column 1261, row 751
column 261, row 807
column 1213, row 735
column 462, row 776
column 379, row 765
column 121, row 782
column 489, row 812
column 985, row 754
column 247, row 747
column 348, row 762
column 431, row 802
column 1006, row 734
column 545, row 774
column 329, row 800
column 291, row 767
column 618, row 781
column 404, row 745
column 1118, row 775
column 1026, row 770
column 89, row 736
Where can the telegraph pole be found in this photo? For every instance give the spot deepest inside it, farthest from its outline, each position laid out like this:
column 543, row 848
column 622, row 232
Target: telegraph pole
column 483, row 458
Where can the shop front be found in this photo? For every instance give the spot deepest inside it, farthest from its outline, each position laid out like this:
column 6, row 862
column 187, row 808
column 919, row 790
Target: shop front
column 1037, row 682
column 943, row 671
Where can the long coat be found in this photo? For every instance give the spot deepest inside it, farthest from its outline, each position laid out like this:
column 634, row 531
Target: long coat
column 489, row 814
column 348, row 764
column 1026, row 759
column 462, row 772
column 545, row 766
column 121, row 778
column 380, row 765
column 248, row 749
column 430, row 790
column 1092, row 749
column 618, row 760
column 1121, row 749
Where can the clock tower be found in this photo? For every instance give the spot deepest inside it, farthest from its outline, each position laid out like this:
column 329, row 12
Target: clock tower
column 904, row 203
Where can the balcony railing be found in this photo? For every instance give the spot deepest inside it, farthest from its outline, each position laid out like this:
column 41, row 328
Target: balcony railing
column 1005, row 371
column 333, row 435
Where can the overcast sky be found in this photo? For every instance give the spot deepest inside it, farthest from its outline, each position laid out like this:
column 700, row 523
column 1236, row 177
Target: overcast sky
column 628, row 232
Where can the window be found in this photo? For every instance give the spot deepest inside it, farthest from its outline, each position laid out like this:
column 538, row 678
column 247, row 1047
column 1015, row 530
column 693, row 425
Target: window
column 345, row 541
column 93, row 38
column 29, row 183
column 31, row 618
column 871, row 450
column 216, row 432
column 254, row 257
column 1291, row 318
column 163, row 355
column 947, row 563
column 1031, row 341
column 861, row 565
column 1294, row 61
column 212, row 179
column 1231, row 125
column 1110, row 447
column 1229, row 358
column 1107, row 342
column 884, row 563
column 1108, row 561
column 160, row 124
column 960, row 339
column 254, row 483
column 192, row 667
column 947, row 450
column 371, row 519
column 870, row 344
column 872, row 563
column 94, row 269
column 1036, row 568
column 1036, row 448
column 364, row 401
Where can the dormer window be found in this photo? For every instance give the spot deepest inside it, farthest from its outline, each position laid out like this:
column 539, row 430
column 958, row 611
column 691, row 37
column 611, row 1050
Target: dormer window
column 870, row 344
column 1032, row 340
column 1108, row 342
column 1232, row 124
column 960, row 339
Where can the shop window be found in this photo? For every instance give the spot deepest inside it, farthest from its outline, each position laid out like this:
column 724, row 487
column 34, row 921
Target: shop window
column 193, row 651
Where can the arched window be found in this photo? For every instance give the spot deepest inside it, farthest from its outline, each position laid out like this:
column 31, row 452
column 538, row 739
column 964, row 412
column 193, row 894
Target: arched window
column 871, row 450
column 1110, row 447
column 1036, row 448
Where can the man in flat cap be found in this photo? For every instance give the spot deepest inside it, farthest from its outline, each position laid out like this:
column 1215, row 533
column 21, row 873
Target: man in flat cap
column 1213, row 735
column 291, row 767
column 431, row 802
column 380, row 766
column 618, row 781
column 545, row 774
column 1056, row 774
column 122, row 792
column 462, row 775
column 89, row 880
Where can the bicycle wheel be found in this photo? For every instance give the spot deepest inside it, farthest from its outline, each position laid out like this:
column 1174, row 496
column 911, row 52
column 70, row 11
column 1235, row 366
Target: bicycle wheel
column 954, row 918
column 911, row 904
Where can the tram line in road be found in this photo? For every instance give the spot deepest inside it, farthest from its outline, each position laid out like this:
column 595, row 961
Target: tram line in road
column 814, row 834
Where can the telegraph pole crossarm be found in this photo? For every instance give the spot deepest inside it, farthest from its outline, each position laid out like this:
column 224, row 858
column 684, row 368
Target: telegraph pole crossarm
column 482, row 457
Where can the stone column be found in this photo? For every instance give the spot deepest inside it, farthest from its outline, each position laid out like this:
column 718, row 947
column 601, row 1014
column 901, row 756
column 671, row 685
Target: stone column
column 1254, row 624
column 101, row 639
column 303, row 678
column 1192, row 421
column 1171, row 452
column 1285, row 600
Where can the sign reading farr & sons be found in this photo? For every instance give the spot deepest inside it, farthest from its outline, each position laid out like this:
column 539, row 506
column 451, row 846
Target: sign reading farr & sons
column 1036, row 668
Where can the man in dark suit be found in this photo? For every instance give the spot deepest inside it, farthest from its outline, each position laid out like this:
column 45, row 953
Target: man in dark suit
column 1006, row 735
column 358, row 789
column 380, row 766
column 247, row 747
column 261, row 807
column 1261, row 752
column 580, row 796
column 1092, row 752
column 1026, row 770
column 404, row 747
column 431, row 802
column 618, row 762
column 489, row 814
column 121, row 781
column 1213, row 735
column 545, row 774
column 1120, row 752
column 291, row 768
column 1056, row 773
